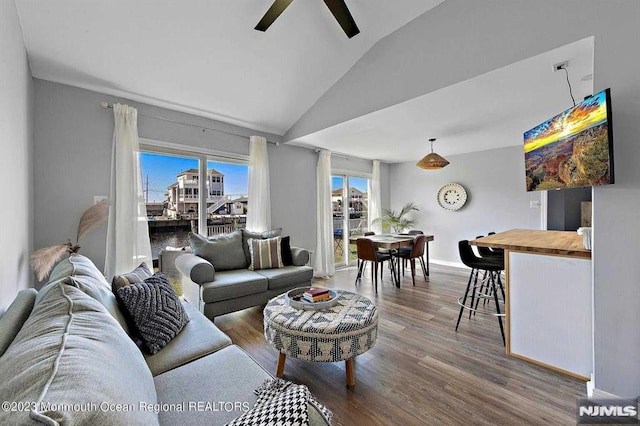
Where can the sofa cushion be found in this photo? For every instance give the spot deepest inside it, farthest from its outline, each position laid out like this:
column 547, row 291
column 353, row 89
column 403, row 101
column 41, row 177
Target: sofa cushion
column 232, row 284
column 265, row 253
column 72, row 353
column 155, row 311
column 287, row 277
column 247, row 235
column 231, row 377
column 138, row 275
column 224, row 252
column 14, row 317
column 80, row 272
column 198, row 338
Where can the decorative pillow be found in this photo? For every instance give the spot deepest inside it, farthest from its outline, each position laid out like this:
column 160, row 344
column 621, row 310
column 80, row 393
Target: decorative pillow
column 287, row 408
column 265, row 254
column 282, row 402
column 285, row 247
column 138, row 275
column 247, row 235
column 224, row 251
column 155, row 310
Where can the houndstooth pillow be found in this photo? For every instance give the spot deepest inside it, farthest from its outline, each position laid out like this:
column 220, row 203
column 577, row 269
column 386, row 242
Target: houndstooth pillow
column 281, row 402
column 288, row 408
column 155, row 311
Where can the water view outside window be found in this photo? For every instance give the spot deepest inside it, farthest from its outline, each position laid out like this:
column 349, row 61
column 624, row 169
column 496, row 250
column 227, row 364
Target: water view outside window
column 172, row 195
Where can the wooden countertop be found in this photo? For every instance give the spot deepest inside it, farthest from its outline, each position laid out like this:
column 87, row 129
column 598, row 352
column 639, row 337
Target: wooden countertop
column 555, row 243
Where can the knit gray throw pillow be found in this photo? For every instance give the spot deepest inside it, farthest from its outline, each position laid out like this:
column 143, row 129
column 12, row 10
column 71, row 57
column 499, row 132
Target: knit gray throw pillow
column 155, row 311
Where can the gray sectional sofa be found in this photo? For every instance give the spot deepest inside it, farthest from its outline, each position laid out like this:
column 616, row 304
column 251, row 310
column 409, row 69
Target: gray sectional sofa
column 66, row 358
column 222, row 282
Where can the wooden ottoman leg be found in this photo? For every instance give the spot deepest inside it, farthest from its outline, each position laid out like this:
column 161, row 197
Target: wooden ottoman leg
column 351, row 375
column 280, row 369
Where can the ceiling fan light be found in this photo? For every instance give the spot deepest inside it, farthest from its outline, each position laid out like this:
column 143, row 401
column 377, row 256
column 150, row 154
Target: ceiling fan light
column 432, row 161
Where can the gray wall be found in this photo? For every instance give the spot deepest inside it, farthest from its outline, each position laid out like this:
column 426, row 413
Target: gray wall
column 16, row 152
column 564, row 211
column 72, row 156
column 469, row 38
column 293, row 189
column 496, row 199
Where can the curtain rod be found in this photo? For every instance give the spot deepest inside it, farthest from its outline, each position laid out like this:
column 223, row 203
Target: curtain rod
column 107, row 105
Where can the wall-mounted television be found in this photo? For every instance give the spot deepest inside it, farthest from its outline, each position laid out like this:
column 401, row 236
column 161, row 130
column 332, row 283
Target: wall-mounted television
column 572, row 149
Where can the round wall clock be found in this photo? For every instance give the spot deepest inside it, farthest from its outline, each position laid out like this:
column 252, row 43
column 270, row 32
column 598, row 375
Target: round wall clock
column 452, row 196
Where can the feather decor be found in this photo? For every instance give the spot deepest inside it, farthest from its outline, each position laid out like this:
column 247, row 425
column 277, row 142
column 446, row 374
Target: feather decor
column 44, row 259
column 92, row 217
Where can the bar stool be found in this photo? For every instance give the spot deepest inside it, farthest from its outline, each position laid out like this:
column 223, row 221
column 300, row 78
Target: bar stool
column 498, row 256
column 478, row 264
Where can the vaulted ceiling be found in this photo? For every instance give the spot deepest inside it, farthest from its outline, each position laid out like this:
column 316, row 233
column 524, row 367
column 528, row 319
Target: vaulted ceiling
column 204, row 57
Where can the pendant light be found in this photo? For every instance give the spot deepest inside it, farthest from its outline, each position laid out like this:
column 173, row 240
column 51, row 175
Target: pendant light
column 432, row 161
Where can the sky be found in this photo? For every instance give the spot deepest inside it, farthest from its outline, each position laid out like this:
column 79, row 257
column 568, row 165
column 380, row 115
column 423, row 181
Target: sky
column 354, row 182
column 588, row 113
column 163, row 169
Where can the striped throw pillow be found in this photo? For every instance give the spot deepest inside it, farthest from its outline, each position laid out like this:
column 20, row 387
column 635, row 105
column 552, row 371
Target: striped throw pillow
column 265, row 253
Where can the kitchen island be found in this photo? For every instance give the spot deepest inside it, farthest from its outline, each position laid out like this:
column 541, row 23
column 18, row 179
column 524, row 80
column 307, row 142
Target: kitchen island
column 549, row 298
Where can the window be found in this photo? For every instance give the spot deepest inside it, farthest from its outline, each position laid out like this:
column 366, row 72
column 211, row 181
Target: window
column 175, row 205
column 349, row 198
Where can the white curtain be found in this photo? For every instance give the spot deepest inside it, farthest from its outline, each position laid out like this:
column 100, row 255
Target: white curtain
column 375, row 202
column 324, row 264
column 128, row 242
column 259, row 210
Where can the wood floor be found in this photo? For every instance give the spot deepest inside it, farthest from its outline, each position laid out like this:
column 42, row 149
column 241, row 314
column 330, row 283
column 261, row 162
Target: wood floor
column 420, row 371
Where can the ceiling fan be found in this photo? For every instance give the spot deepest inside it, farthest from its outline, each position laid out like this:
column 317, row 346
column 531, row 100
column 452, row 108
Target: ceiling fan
column 338, row 8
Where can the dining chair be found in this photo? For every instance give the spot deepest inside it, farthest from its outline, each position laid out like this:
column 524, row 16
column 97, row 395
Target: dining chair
column 366, row 234
column 406, row 250
column 367, row 252
column 416, row 251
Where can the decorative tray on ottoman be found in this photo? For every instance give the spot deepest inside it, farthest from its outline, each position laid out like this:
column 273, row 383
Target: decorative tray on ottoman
column 297, row 302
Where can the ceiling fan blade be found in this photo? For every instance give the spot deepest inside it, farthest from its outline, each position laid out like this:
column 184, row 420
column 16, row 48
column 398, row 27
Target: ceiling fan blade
column 272, row 14
column 341, row 12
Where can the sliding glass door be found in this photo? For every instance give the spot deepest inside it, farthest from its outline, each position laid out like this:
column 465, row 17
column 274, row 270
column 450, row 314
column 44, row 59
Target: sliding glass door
column 349, row 199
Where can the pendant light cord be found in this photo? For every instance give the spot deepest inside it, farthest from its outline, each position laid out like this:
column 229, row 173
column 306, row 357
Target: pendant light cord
column 569, row 83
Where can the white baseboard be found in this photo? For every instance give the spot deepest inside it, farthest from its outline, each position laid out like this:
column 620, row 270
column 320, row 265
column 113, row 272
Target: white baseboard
column 447, row 263
column 597, row 393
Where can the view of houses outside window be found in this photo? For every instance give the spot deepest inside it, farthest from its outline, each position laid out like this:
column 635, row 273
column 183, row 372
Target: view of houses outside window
column 349, row 218
column 171, row 188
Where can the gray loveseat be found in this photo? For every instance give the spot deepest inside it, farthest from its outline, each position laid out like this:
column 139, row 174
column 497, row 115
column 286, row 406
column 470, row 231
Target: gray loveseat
column 222, row 283
column 66, row 358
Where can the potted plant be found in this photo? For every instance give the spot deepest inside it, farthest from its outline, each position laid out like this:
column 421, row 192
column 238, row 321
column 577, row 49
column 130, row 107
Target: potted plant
column 398, row 221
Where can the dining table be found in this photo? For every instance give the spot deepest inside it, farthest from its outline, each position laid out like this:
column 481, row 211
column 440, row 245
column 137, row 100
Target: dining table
column 394, row 242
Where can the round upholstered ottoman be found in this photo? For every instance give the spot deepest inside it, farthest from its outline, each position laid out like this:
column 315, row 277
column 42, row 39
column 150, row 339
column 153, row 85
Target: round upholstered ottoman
column 339, row 333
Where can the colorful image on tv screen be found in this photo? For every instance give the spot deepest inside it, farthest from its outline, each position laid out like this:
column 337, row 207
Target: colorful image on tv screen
column 570, row 149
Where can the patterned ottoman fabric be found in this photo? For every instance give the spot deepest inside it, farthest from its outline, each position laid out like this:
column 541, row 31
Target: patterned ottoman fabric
column 329, row 335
